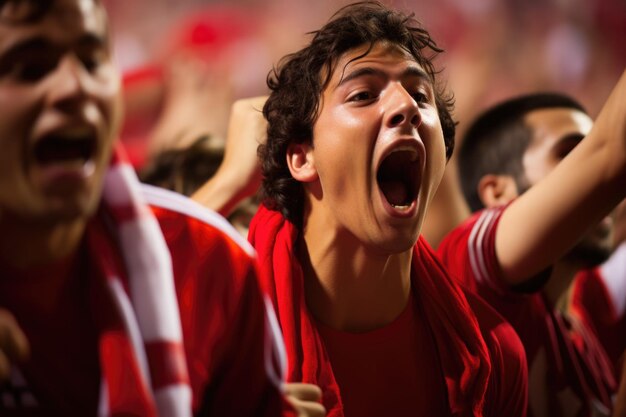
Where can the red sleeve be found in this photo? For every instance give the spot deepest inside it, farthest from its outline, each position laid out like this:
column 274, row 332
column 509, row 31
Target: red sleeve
column 507, row 391
column 469, row 252
column 599, row 310
column 230, row 347
column 591, row 300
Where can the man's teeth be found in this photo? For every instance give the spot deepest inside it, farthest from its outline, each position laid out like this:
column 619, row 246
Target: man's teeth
column 406, row 148
column 402, row 207
column 89, row 167
column 75, row 133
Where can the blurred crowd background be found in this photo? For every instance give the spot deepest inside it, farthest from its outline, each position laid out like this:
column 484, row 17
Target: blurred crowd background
column 186, row 61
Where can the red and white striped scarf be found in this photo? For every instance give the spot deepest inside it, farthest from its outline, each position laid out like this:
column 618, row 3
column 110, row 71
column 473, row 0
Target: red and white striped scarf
column 142, row 358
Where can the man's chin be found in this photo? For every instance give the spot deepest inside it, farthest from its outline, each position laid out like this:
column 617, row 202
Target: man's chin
column 66, row 210
column 395, row 245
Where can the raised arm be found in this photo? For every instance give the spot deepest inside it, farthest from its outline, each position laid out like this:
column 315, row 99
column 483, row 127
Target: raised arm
column 239, row 175
column 548, row 219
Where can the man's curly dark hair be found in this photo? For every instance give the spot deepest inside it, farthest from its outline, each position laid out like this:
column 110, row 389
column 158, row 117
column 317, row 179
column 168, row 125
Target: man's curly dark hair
column 299, row 80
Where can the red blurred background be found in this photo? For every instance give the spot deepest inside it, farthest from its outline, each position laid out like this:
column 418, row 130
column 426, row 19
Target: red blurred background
column 208, row 53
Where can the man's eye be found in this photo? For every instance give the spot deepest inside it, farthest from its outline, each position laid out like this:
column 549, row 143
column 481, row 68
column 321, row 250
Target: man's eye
column 362, row 96
column 420, row 97
column 32, row 70
column 90, row 63
column 93, row 60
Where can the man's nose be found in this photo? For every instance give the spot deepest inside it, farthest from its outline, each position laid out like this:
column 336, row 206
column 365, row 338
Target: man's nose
column 401, row 107
column 69, row 84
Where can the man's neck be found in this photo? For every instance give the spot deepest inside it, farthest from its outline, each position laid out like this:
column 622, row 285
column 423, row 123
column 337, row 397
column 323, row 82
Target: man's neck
column 26, row 244
column 349, row 287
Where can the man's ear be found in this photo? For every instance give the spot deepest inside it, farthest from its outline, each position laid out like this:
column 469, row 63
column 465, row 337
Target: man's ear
column 497, row 190
column 301, row 163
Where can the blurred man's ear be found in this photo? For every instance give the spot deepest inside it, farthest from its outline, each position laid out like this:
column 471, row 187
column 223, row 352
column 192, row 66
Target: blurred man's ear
column 301, row 162
column 497, row 190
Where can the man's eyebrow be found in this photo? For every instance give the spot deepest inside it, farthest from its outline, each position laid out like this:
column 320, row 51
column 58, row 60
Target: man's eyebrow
column 417, row 72
column 32, row 45
column 38, row 44
column 411, row 71
column 361, row 72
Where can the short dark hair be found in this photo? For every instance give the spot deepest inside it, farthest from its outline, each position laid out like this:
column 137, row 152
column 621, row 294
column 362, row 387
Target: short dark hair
column 300, row 78
column 496, row 141
column 18, row 12
column 183, row 170
column 187, row 169
column 23, row 11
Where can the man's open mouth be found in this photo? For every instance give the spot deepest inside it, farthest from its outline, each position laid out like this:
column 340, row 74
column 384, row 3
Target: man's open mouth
column 66, row 147
column 398, row 177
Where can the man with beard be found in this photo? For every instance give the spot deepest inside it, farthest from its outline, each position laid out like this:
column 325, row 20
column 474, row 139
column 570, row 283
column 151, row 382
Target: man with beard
column 115, row 299
column 519, row 250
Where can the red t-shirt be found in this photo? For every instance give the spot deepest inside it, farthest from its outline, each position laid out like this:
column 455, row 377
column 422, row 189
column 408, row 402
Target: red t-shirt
column 507, row 391
column 563, row 377
column 395, row 371
column 390, row 371
column 437, row 302
column 53, row 312
column 599, row 296
column 222, row 314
